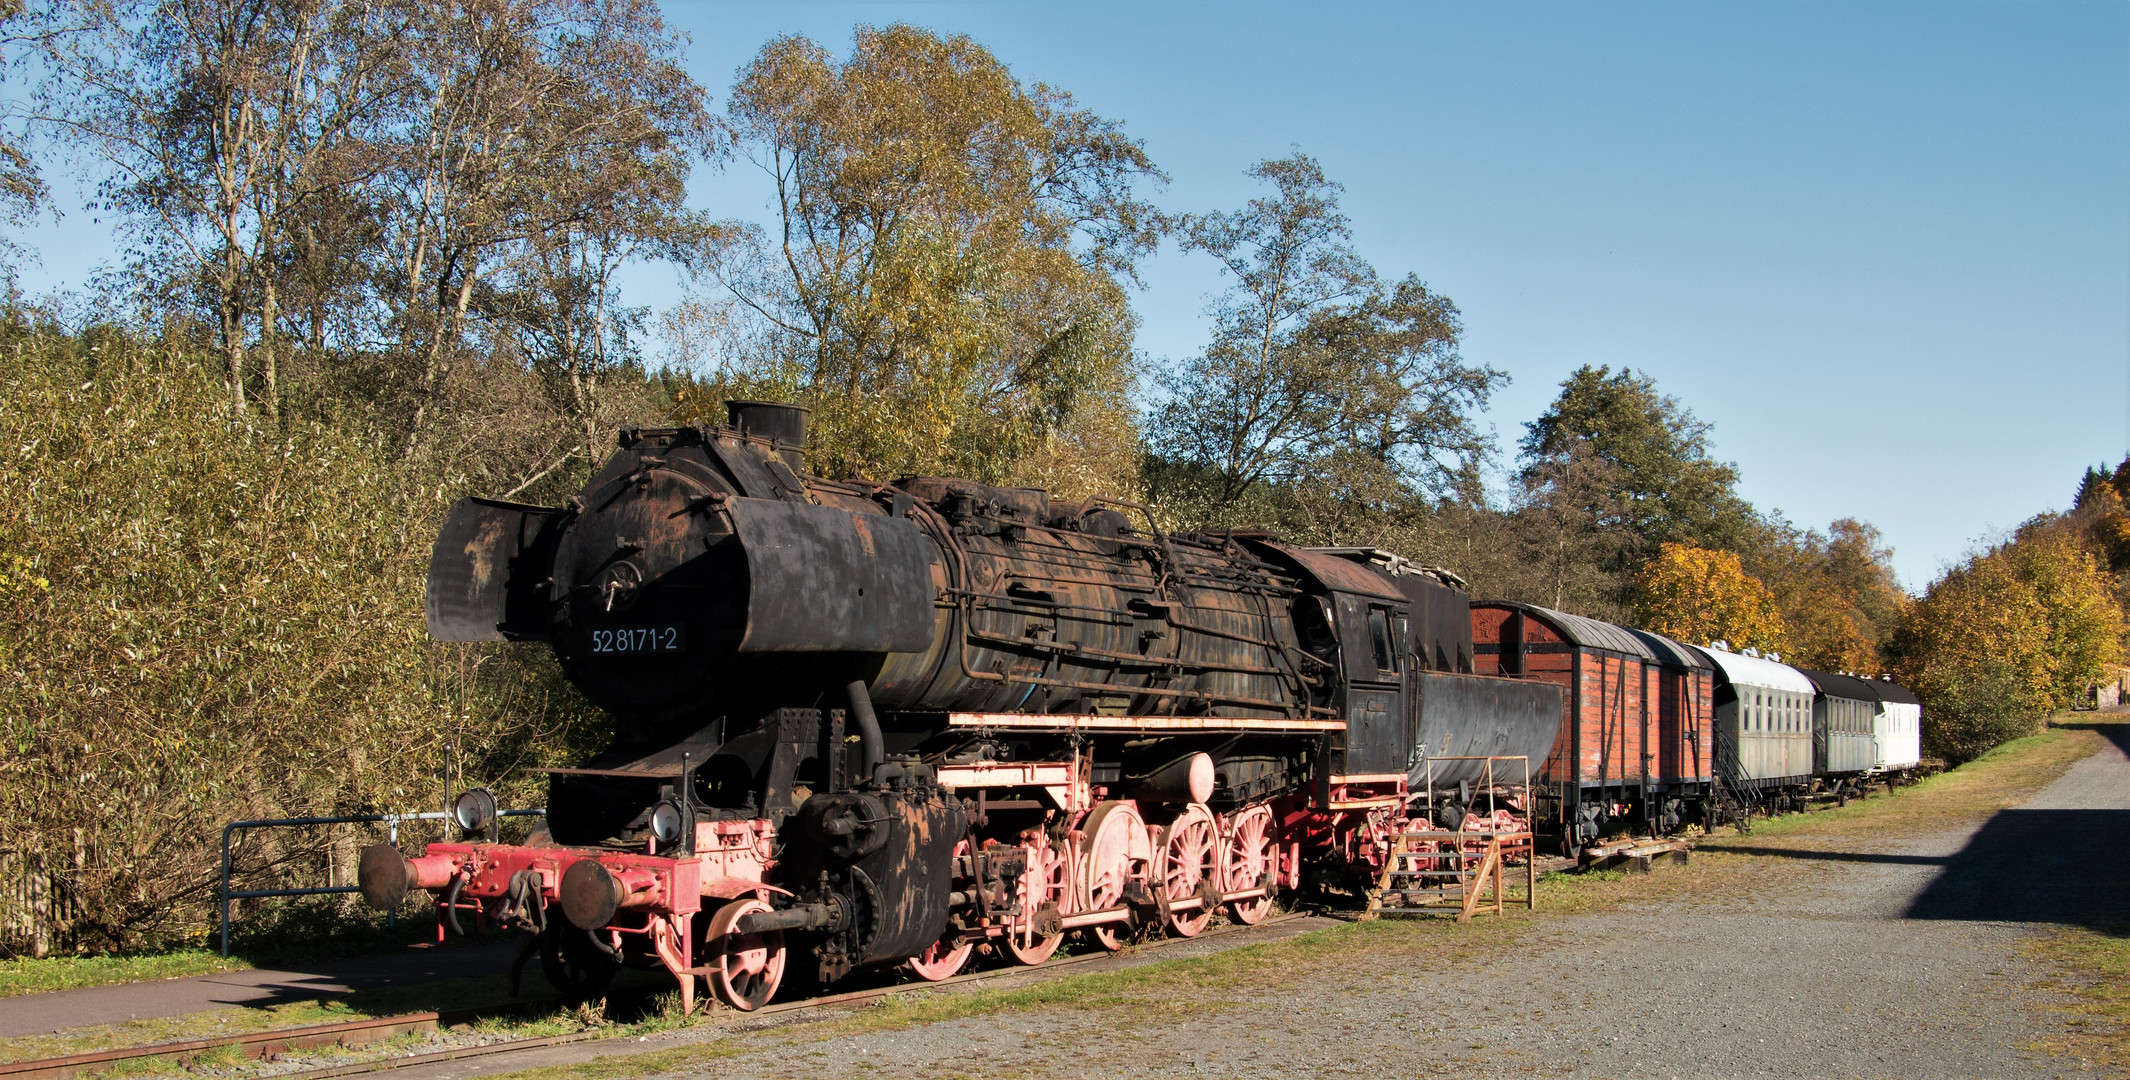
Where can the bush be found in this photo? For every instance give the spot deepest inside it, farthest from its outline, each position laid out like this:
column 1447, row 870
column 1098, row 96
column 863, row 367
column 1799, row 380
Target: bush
column 204, row 619
column 2005, row 639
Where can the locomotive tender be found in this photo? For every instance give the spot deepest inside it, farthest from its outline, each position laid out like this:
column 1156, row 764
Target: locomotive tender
column 863, row 724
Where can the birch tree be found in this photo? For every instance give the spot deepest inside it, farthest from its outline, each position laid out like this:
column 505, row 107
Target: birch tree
column 944, row 278
column 1320, row 380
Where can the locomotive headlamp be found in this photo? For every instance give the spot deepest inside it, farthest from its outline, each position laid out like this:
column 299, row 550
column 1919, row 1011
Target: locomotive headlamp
column 673, row 824
column 475, row 811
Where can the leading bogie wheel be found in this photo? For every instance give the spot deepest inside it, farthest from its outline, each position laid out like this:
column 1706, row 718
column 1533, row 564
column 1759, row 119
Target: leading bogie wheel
column 1189, row 852
column 1249, row 861
column 745, row 969
column 573, row 961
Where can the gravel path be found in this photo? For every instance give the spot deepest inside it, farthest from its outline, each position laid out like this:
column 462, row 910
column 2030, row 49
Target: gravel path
column 1881, row 959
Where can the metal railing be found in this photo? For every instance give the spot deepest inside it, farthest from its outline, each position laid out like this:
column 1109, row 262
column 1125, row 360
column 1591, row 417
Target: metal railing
column 390, row 821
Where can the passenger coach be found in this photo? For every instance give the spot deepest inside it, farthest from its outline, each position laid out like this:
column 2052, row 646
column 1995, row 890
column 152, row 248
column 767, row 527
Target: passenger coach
column 1842, row 744
column 1896, row 730
column 1763, row 728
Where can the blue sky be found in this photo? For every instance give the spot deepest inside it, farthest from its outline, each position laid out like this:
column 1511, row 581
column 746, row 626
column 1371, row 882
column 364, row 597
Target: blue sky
column 1883, row 247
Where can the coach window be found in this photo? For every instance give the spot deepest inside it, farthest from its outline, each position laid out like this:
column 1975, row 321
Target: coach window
column 1379, row 636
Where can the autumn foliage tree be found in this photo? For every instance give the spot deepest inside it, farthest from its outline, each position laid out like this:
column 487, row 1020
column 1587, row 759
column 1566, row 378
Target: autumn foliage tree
column 1839, row 598
column 1696, row 595
column 944, row 283
column 2006, row 638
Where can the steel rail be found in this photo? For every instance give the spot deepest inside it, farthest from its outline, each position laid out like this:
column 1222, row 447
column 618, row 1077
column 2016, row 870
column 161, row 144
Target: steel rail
column 357, row 1032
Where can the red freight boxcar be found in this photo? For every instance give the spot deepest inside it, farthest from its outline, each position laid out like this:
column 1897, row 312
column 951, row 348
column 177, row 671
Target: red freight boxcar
column 1682, row 688
column 1601, row 768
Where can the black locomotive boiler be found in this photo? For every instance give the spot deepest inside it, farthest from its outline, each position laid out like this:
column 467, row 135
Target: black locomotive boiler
column 860, row 724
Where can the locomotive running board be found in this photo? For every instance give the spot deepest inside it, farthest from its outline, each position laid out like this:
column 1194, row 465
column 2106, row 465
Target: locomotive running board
column 1076, row 722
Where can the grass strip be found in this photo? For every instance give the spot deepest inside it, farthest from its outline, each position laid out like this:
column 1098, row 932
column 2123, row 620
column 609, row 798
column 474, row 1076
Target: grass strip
column 40, row 976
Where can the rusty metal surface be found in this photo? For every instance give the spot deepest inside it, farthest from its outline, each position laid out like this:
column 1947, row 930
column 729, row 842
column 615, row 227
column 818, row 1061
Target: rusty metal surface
column 1339, row 573
column 1472, row 716
column 821, row 579
column 470, row 595
column 1584, row 632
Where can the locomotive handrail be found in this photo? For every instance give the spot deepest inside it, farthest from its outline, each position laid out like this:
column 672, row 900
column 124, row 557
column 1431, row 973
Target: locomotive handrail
column 391, row 821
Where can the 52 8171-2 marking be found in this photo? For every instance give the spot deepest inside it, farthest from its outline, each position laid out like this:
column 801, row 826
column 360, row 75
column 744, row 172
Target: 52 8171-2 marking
column 637, row 639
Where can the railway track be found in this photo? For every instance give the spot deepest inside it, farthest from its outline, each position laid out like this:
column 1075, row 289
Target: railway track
column 265, row 1044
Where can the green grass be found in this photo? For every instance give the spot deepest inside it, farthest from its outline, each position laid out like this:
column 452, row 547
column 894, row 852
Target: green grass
column 2094, row 968
column 27, row 976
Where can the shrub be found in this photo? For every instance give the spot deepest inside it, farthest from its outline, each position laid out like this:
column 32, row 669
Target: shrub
column 204, row 619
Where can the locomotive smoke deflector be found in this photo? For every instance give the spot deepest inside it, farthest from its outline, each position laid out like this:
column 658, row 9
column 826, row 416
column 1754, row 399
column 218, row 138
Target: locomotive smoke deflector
column 822, row 579
column 484, row 571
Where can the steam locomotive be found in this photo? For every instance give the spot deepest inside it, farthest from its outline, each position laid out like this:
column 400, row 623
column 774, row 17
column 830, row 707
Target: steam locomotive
column 864, row 724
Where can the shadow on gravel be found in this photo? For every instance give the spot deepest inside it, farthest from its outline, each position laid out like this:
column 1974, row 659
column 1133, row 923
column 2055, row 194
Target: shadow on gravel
column 2070, row 867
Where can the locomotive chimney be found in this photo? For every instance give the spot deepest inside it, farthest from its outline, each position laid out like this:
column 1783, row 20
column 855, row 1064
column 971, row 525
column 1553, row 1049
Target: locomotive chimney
column 781, row 423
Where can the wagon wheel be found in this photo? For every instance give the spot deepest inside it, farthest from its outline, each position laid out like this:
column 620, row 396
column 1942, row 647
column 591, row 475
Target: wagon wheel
column 1189, row 851
column 744, row 969
column 1112, row 831
column 1248, row 861
column 943, row 958
column 1033, row 935
column 573, row 961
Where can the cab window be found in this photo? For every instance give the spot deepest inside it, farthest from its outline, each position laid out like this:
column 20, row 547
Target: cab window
column 1379, row 637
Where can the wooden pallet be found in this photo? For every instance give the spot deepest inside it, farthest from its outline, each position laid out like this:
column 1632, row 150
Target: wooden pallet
column 1631, row 854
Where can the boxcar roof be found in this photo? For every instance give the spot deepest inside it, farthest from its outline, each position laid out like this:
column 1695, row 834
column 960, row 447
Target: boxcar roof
column 1738, row 668
column 1842, row 686
column 1577, row 630
column 1672, row 654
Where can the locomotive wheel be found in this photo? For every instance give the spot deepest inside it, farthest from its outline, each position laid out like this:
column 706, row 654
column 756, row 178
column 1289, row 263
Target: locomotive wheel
column 1248, row 862
column 745, row 969
column 943, row 958
column 1112, row 831
column 1190, row 862
column 574, row 963
column 1041, row 895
